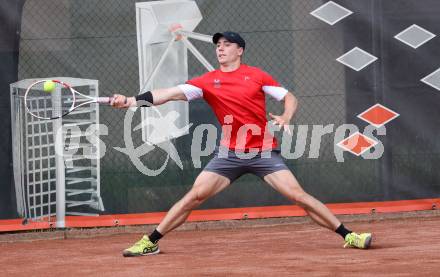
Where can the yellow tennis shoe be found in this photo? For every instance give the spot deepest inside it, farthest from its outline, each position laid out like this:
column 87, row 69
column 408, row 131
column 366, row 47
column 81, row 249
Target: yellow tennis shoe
column 143, row 247
column 355, row 240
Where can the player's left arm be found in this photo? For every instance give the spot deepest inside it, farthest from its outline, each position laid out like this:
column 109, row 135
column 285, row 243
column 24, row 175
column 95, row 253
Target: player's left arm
column 272, row 88
column 290, row 108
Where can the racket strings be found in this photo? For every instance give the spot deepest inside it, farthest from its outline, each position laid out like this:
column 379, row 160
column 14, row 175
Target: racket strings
column 39, row 104
column 62, row 100
column 49, row 104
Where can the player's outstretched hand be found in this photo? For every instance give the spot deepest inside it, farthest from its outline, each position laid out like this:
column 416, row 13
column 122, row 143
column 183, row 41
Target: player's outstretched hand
column 121, row 101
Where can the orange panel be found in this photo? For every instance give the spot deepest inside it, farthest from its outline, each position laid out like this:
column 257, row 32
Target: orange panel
column 225, row 214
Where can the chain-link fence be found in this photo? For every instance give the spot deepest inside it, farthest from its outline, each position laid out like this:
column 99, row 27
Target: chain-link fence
column 96, row 39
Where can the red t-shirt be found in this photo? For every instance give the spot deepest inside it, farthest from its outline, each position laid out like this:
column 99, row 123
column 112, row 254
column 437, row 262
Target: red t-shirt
column 238, row 100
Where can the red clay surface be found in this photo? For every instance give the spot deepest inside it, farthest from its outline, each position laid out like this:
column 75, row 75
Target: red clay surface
column 403, row 247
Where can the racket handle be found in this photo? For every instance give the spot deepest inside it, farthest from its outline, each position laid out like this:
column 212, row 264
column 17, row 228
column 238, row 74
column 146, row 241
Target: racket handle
column 108, row 100
column 104, row 100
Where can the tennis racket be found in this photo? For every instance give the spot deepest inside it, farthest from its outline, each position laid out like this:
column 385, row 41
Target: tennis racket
column 59, row 102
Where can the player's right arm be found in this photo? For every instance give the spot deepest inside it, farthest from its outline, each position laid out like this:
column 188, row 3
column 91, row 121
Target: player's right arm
column 158, row 96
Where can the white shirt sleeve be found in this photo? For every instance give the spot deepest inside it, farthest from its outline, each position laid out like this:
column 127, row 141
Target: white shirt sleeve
column 276, row 92
column 191, row 92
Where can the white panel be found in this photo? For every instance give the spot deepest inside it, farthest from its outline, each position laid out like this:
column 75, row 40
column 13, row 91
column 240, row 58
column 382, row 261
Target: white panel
column 154, row 20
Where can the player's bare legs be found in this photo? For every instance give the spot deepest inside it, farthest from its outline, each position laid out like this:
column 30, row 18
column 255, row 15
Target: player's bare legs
column 206, row 185
column 285, row 182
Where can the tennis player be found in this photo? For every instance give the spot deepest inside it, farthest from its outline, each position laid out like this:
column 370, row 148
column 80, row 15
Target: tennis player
column 236, row 92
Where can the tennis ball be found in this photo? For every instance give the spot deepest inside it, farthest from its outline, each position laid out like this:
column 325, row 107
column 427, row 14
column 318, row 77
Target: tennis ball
column 48, row 86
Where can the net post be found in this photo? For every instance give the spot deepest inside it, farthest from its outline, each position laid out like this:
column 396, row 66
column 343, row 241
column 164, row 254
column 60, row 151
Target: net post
column 60, row 167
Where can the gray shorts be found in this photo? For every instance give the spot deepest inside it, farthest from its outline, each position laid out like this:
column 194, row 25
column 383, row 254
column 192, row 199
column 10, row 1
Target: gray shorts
column 232, row 165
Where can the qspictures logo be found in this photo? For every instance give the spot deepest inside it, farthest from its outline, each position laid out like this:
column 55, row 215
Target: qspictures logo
column 344, row 138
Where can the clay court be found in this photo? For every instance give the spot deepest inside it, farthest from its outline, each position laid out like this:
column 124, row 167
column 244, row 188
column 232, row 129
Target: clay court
column 404, row 244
